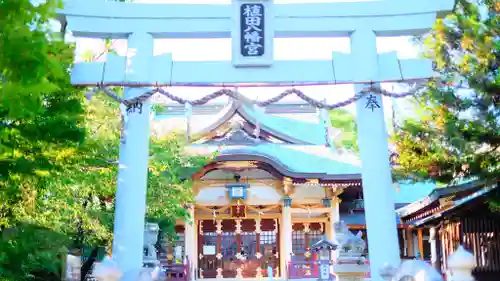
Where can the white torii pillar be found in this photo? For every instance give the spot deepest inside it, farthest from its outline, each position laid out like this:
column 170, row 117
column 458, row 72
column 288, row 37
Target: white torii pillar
column 130, row 206
column 383, row 243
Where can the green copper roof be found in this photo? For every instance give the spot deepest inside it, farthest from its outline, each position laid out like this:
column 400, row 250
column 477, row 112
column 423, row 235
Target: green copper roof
column 301, row 131
column 301, row 158
column 409, row 193
column 288, row 130
column 314, row 159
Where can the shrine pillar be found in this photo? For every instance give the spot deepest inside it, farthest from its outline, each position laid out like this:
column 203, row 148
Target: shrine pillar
column 433, row 246
column 334, row 217
column 286, row 236
column 189, row 241
column 409, row 243
column 374, row 151
column 130, row 204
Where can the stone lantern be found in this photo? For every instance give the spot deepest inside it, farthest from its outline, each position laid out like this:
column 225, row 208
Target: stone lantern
column 325, row 250
column 150, row 259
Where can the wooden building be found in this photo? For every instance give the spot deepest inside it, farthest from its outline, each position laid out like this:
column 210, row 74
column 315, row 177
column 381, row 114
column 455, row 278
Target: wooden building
column 457, row 215
column 276, row 187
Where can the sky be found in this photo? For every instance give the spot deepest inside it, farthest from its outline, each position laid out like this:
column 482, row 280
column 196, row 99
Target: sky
column 284, row 49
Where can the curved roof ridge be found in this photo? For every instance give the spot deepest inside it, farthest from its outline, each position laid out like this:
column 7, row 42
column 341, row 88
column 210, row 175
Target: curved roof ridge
column 266, row 124
column 297, row 158
column 225, row 114
column 286, row 129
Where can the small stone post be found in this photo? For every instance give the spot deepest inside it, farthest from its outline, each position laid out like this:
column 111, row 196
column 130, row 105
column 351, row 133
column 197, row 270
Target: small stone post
column 387, row 272
column 107, row 270
column 460, row 265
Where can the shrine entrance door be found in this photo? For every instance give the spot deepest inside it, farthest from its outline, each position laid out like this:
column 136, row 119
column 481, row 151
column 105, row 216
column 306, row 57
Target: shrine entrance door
column 238, row 248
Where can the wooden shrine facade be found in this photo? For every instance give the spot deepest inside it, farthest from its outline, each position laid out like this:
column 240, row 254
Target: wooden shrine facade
column 238, row 248
column 304, row 235
column 272, row 219
column 247, row 245
column 459, row 215
column 243, row 237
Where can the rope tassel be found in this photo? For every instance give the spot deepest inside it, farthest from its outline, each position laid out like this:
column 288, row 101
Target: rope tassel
column 123, row 123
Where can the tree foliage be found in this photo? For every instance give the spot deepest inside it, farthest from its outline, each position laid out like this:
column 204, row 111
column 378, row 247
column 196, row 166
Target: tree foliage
column 345, row 121
column 41, row 118
column 457, row 134
column 41, row 114
column 59, row 152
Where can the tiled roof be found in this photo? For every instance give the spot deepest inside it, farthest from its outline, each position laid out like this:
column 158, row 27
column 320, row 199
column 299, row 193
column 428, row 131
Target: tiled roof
column 307, row 153
column 316, row 159
column 435, row 194
column 456, row 204
column 293, row 130
column 295, row 158
column 308, row 132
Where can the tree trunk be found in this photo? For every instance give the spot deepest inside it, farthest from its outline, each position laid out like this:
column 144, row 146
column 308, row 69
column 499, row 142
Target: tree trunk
column 87, row 266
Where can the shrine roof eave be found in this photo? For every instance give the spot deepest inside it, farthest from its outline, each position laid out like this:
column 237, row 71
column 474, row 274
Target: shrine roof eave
column 312, row 162
column 434, row 196
column 460, row 203
column 286, row 172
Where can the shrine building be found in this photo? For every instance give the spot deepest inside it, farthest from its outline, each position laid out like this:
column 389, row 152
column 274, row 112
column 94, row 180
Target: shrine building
column 277, row 186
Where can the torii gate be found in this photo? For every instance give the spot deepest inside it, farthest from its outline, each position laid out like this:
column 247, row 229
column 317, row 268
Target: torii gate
column 252, row 64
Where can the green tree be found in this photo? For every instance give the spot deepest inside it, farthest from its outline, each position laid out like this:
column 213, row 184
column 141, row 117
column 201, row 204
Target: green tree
column 41, row 114
column 58, row 153
column 346, row 122
column 457, row 134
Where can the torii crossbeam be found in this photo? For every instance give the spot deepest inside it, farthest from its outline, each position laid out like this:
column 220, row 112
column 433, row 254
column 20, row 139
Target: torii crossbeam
column 118, row 20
